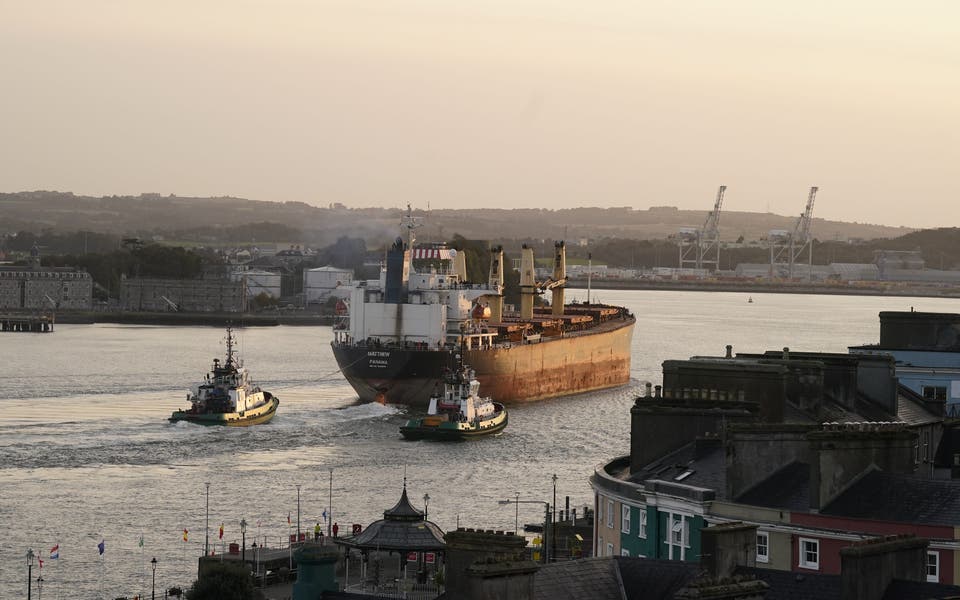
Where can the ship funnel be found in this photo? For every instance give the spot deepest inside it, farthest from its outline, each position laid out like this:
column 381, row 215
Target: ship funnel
column 559, row 275
column 398, row 273
column 528, row 284
column 496, row 284
column 460, row 264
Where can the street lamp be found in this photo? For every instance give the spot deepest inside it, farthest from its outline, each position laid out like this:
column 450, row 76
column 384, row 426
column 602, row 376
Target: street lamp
column 516, row 515
column 243, row 533
column 330, row 507
column 29, row 571
column 206, row 532
column 426, row 500
column 298, row 512
column 153, row 586
column 546, row 516
column 553, row 524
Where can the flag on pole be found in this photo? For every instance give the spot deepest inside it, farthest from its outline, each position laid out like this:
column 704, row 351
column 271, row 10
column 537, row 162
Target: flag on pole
column 55, row 552
column 288, row 519
column 185, row 532
column 324, row 515
column 40, row 560
column 221, row 531
column 101, row 547
column 140, row 541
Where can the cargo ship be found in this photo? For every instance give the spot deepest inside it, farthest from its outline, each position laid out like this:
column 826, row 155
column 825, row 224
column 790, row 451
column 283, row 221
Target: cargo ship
column 398, row 334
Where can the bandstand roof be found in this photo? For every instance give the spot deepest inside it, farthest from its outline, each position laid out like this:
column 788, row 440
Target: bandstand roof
column 402, row 527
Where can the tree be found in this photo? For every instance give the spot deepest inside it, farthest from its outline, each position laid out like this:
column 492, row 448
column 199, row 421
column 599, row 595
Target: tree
column 222, row 581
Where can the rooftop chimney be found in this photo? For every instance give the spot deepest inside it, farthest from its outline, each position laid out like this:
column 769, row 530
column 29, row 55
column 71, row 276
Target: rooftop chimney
column 868, row 567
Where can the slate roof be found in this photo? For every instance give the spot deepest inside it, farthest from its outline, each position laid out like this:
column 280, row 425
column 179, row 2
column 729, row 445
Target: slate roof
column 403, row 510
column 911, row 409
column 578, row 579
column 788, row 585
column 788, row 488
column 901, row 498
column 916, row 590
column 617, row 578
column 648, row 579
column 707, row 467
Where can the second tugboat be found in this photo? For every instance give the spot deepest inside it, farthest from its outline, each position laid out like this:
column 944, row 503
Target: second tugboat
column 228, row 396
column 460, row 413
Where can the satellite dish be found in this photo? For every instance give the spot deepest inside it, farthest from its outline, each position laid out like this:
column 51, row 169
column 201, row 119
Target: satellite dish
column 453, row 253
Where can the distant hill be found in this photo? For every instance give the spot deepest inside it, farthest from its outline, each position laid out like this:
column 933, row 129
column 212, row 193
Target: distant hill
column 200, row 218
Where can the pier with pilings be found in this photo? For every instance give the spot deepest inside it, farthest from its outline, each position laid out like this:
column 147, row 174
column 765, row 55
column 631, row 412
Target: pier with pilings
column 27, row 323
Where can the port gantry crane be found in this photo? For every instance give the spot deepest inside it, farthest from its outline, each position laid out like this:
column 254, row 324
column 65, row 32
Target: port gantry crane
column 787, row 247
column 701, row 247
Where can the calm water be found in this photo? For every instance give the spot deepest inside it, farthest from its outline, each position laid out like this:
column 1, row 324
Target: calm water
column 87, row 453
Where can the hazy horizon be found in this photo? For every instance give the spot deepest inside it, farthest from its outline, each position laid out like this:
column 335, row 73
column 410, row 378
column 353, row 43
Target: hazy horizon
column 517, row 104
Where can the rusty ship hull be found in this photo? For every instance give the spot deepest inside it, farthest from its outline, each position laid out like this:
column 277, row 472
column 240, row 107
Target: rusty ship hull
column 576, row 362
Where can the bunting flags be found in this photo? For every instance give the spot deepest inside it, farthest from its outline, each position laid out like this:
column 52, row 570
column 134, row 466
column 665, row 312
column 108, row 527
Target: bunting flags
column 55, row 552
column 185, row 532
column 101, row 547
column 221, row 531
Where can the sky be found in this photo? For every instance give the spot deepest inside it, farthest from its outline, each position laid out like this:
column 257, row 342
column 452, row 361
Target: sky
column 498, row 103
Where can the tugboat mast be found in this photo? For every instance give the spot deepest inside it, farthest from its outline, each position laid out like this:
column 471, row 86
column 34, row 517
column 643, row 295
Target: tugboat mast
column 230, row 362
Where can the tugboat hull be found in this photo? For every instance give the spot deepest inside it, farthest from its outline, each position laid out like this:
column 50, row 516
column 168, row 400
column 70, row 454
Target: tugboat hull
column 261, row 414
column 422, row 429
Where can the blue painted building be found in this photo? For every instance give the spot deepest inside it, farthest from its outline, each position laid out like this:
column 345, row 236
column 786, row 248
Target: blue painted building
column 926, row 348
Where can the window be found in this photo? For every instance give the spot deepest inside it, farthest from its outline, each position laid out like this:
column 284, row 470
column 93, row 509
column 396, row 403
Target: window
column 610, row 514
column 625, row 519
column 763, row 546
column 934, row 392
column 677, row 537
column 933, row 567
column 643, row 523
column 676, row 529
column 809, row 553
column 624, row 552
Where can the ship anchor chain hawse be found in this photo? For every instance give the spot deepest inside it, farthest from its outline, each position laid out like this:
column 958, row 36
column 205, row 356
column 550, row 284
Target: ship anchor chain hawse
column 397, row 335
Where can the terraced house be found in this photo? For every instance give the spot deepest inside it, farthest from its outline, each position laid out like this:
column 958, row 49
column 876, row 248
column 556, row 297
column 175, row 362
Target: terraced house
column 818, row 451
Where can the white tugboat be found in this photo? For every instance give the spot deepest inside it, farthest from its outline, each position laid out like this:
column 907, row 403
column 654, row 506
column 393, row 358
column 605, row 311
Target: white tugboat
column 460, row 413
column 228, row 396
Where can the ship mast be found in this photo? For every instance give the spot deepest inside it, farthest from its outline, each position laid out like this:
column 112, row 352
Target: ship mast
column 410, row 222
